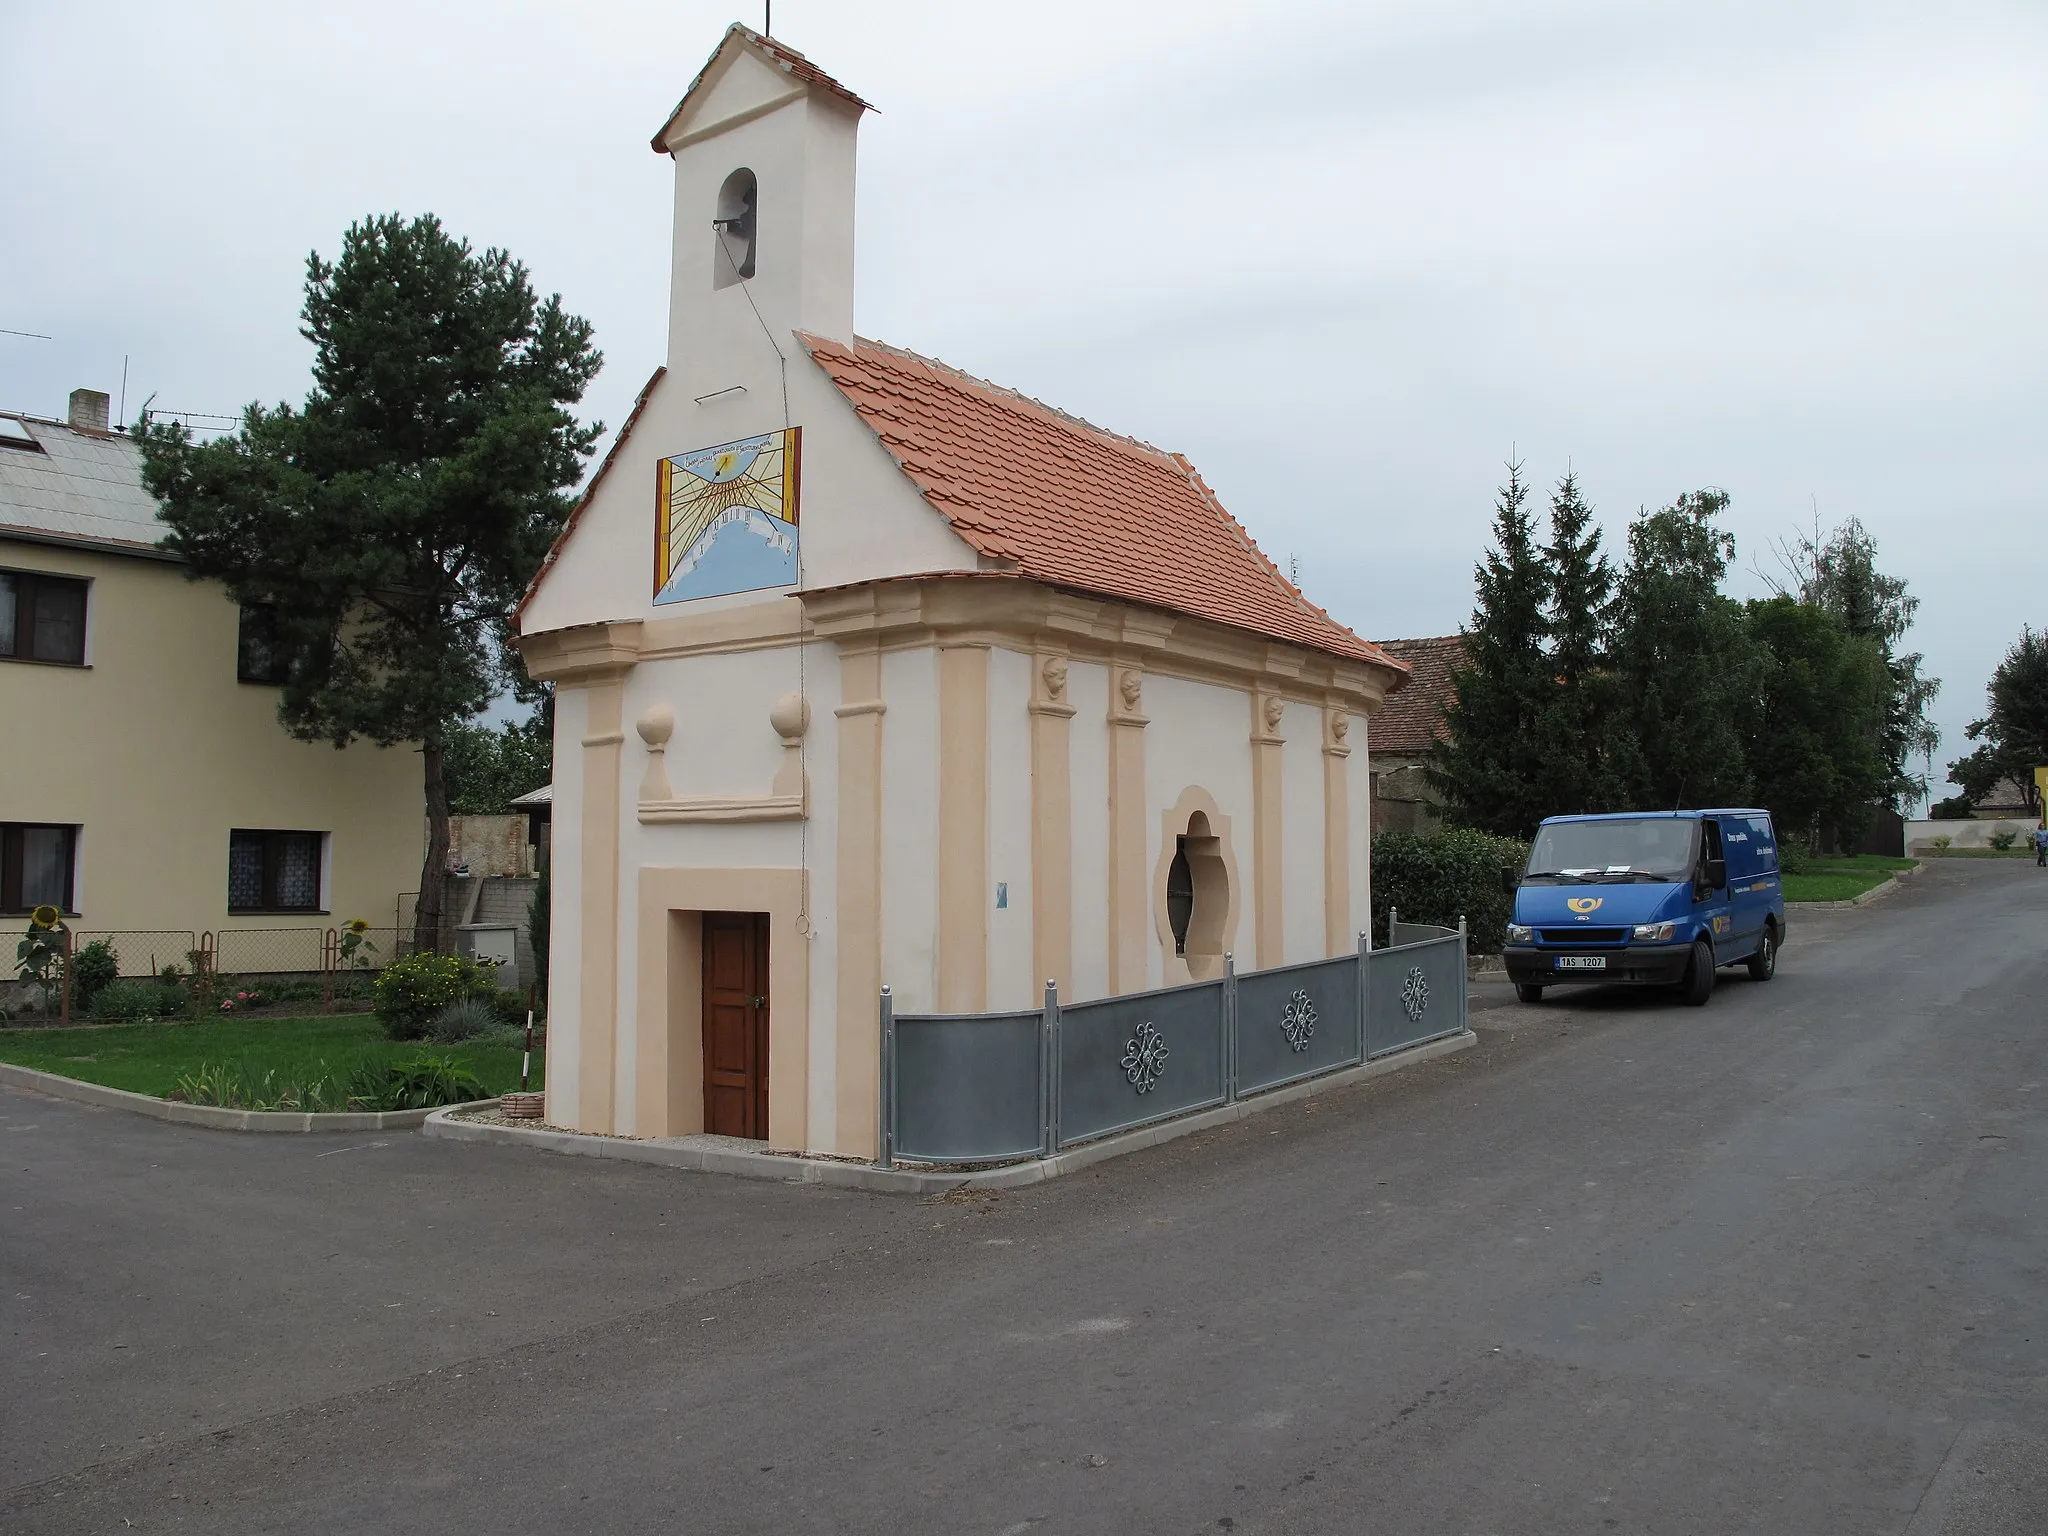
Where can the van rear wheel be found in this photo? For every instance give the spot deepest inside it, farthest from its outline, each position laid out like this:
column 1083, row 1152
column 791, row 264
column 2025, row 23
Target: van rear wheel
column 1763, row 965
column 1528, row 992
column 1698, row 985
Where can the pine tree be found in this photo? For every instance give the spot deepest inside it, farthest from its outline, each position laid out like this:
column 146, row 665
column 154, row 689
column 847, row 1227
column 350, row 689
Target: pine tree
column 1487, row 770
column 1576, row 771
column 394, row 520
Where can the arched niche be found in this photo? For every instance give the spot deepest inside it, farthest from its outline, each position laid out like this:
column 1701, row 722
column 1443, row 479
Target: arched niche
column 732, row 229
column 1195, row 889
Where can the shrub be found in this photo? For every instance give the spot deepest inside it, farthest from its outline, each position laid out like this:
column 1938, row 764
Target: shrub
column 1954, row 808
column 465, row 1019
column 428, row 1081
column 1941, row 843
column 2004, row 840
column 537, row 933
column 93, row 967
column 137, row 1002
column 1434, row 877
column 410, row 993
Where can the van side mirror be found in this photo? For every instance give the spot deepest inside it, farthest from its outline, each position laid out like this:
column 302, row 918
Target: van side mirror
column 1715, row 875
column 1510, row 880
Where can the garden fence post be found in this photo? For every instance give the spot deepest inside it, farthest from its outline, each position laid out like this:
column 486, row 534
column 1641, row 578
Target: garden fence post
column 330, row 941
column 888, row 1105
column 1048, row 1068
column 1364, row 984
column 1464, row 974
column 1393, row 917
column 1229, row 1028
column 67, row 973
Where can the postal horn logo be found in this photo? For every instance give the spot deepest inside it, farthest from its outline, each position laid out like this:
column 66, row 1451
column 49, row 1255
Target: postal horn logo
column 1583, row 904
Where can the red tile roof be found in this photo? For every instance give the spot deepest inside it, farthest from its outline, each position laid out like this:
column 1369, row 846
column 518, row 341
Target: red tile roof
column 783, row 57
column 1068, row 504
column 1413, row 719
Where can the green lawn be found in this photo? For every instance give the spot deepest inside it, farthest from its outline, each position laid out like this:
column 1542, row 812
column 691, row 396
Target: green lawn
column 1841, row 879
column 148, row 1058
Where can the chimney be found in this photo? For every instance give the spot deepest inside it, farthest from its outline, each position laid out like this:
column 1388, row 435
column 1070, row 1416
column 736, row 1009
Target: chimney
column 89, row 408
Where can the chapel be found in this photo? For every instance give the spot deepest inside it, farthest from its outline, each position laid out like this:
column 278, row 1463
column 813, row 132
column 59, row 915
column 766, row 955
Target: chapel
column 872, row 672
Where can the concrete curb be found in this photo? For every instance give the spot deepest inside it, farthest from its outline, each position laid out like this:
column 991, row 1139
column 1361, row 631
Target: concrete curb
column 1875, row 893
column 675, row 1152
column 207, row 1115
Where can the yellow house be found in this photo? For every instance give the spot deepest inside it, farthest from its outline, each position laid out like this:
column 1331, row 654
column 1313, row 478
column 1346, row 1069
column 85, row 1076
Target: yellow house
column 871, row 672
column 146, row 787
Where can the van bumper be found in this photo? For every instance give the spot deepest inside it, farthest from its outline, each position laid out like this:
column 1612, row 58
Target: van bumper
column 1637, row 965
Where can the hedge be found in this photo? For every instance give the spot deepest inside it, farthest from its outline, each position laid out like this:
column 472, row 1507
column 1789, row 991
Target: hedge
column 1439, row 876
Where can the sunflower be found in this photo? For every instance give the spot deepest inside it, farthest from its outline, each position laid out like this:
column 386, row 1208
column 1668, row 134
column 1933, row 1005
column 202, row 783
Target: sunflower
column 357, row 925
column 45, row 916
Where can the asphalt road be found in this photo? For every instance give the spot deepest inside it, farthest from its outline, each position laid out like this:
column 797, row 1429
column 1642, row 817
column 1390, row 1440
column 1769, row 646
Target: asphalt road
column 1775, row 1265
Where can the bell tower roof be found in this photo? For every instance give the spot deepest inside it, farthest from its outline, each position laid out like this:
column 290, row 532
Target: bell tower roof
column 695, row 115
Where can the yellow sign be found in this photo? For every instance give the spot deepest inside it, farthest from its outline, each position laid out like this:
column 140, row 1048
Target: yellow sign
column 1583, row 904
column 2041, row 790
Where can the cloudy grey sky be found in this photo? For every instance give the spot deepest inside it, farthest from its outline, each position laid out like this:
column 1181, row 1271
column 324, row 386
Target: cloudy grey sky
column 1347, row 256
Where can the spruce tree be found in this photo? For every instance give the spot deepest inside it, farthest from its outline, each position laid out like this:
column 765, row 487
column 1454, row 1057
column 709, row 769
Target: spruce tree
column 1682, row 662
column 1576, row 772
column 1486, row 770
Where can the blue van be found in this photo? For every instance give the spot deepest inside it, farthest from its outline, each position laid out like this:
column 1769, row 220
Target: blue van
column 1647, row 898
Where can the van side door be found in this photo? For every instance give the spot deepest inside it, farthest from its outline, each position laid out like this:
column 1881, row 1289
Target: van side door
column 1710, row 905
column 1749, row 894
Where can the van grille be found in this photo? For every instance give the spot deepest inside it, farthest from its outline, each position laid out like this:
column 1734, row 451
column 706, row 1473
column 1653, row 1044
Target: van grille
column 1582, row 935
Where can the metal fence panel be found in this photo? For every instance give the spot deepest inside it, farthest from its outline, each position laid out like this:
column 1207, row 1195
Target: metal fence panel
column 1297, row 1021
column 145, row 952
column 1127, row 1061
column 967, row 1088
column 1400, row 933
column 1415, row 993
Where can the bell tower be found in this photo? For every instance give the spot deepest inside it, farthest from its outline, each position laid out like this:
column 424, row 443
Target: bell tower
column 763, row 144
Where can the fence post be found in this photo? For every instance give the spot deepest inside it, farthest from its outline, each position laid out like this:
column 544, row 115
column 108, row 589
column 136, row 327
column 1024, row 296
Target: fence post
column 330, row 941
column 1464, row 974
column 888, row 1080
column 1048, row 1070
column 1393, row 917
column 67, row 973
column 1229, row 1028
column 1364, row 984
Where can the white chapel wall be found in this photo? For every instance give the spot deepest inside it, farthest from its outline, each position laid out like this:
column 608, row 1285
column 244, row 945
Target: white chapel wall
column 1200, row 735
column 1010, row 982
column 565, row 898
column 910, row 828
column 1301, row 833
column 1088, row 759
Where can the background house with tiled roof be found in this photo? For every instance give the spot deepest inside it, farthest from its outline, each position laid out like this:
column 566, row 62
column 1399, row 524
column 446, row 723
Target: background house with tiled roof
column 146, row 786
column 870, row 671
column 1407, row 731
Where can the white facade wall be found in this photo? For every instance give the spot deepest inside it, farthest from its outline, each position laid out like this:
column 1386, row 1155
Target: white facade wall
column 1088, row 760
column 1301, row 833
column 565, row 899
column 1361, row 828
column 1200, row 735
column 910, row 829
column 1010, row 982
column 820, row 852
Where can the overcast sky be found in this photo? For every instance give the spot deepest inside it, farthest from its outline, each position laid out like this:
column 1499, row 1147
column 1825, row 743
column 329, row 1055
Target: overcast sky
column 1346, row 256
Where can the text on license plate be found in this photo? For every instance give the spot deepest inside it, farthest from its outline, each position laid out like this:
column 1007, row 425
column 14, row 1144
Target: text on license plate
column 1582, row 962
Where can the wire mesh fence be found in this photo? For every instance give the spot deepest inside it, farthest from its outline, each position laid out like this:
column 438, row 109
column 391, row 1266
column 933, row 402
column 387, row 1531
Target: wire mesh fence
column 140, row 952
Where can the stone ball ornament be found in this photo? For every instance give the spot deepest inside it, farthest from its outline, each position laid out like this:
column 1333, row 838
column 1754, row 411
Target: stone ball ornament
column 656, row 725
column 791, row 716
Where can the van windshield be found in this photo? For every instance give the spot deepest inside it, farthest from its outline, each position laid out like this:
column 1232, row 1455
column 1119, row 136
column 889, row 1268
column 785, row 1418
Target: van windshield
column 1655, row 848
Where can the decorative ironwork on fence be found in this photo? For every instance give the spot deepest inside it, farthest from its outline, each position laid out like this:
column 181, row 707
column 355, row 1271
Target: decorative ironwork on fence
column 1001, row 1087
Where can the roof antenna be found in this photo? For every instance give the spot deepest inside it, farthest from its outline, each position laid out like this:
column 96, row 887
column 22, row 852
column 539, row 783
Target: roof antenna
column 767, row 18
column 122, row 414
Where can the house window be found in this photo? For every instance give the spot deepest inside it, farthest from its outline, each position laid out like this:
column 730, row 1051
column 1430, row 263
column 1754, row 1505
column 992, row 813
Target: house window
column 36, row 866
column 273, row 871
column 42, row 618
column 258, row 658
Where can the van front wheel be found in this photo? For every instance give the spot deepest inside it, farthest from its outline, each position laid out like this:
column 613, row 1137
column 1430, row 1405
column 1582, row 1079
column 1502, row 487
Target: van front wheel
column 1698, row 985
column 1763, row 965
column 1528, row 992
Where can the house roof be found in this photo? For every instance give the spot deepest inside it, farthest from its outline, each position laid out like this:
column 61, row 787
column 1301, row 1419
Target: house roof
column 1048, row 496
column 778, row 55
column 73, row 486
column 1413, row 719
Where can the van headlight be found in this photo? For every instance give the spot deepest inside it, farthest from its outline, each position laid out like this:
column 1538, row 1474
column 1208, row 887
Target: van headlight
column 1656, row 933
column 1518, row 934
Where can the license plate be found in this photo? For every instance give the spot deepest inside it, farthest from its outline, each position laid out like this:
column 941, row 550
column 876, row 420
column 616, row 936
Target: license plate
column 1582, row 962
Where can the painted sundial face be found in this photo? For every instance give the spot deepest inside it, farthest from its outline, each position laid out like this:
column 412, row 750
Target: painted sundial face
column 726, row 518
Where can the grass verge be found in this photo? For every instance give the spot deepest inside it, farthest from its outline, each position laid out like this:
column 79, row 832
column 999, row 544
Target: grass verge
column 1841, row 879
column 149, row 1058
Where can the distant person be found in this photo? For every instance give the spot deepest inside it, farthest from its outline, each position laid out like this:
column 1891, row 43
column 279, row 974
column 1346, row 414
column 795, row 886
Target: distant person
column 2041, row 845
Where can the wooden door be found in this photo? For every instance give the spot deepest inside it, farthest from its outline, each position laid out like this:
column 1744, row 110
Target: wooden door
column 736, row 1024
